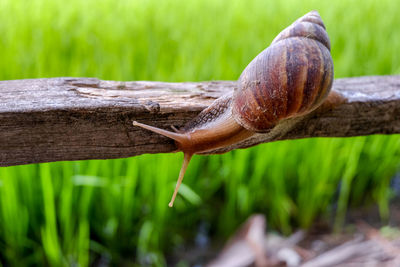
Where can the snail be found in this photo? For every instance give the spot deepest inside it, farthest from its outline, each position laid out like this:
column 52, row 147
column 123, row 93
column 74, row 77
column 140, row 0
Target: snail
column 290, row 78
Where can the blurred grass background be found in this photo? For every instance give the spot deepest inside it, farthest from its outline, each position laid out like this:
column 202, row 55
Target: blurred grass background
column 115, row 211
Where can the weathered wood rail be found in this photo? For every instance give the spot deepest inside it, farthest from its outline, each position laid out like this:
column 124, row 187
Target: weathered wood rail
column 44, row 120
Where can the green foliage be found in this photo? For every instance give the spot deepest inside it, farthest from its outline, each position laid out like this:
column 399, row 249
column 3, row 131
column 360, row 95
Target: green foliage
column 81, row 213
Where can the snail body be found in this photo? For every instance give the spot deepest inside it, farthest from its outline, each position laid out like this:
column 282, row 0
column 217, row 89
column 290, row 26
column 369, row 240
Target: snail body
column 290, row 78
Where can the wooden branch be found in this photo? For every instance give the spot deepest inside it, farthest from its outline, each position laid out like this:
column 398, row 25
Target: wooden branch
column 44, row 120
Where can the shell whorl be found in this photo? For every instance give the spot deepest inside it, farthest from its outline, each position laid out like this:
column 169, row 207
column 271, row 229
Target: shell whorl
column 309, row 26
column 290, row 78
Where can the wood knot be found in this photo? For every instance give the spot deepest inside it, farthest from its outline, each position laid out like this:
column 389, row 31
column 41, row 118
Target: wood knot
column 152, row 106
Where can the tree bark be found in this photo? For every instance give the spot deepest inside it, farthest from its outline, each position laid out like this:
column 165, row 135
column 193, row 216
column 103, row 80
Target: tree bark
column 44, row 120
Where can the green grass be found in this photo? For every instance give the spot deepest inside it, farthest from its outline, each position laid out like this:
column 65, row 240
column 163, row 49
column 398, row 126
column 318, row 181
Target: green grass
column 115, row 211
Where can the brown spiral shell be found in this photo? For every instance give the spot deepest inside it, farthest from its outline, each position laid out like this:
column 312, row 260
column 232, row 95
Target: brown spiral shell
column 290, row 78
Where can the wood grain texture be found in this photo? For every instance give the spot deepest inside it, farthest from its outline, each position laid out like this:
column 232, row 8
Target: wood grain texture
column 45, row 120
